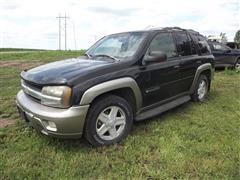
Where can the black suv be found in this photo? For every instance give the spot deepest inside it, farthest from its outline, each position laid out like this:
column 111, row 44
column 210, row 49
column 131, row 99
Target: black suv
column 122, row 78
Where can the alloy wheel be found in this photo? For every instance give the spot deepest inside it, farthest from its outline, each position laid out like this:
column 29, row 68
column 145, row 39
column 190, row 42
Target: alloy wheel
column 110, row 123
column 202, row 89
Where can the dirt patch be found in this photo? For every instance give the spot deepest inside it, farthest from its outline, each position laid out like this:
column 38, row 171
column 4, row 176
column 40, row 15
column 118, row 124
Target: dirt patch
column 30, row 65
column 6, row 122
column 10, row 63
column 21, row 64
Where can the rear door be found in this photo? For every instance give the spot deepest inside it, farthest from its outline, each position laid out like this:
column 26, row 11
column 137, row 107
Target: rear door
column 189, row 59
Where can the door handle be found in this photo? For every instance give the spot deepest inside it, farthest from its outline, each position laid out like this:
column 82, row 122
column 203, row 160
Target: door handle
column 176, row 66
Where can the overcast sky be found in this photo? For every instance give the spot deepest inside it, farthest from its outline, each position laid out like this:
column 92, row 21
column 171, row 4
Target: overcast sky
column 33, row 23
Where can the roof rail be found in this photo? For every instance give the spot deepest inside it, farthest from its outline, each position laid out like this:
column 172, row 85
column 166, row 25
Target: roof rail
column 175, row 28
column 154, row 28
column 192, row 31
column 166, row 28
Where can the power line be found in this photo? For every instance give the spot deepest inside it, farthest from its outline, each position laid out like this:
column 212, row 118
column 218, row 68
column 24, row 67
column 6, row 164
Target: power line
column 65, row 30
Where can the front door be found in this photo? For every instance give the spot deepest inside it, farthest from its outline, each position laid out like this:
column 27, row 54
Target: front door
column 160, row 80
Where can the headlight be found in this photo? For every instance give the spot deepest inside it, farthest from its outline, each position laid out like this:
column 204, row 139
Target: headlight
column 56, row 96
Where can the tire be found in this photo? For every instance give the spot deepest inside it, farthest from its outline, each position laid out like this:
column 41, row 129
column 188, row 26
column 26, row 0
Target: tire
column 237, row 64
column 106, row 114
column 201, row 89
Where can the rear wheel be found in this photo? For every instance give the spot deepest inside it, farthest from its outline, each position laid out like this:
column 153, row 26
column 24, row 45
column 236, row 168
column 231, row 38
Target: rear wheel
column 109, row 121
column 237, row 65
column 201, row 89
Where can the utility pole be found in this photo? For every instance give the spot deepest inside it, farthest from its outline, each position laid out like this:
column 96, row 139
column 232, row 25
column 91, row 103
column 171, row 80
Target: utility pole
column 65, row 32
column 74, row 35
column 60, row 29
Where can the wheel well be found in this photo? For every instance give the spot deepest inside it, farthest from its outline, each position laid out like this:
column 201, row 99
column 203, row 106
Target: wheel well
column 125, row 93
column 208, row 74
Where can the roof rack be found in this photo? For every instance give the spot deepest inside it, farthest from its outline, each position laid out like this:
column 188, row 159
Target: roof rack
column 192, row 31
column 176, row 28
column 166, row 28
column 154, row 28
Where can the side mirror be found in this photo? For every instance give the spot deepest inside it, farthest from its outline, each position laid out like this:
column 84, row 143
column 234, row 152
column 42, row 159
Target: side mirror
column 155, row 56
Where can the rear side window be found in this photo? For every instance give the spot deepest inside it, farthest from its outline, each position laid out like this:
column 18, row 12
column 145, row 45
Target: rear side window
column 163, row 42
column 193, row 46
column 202, row 44
column 183, row 44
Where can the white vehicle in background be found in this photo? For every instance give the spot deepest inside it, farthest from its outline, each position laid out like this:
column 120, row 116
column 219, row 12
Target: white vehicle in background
column 215, row 38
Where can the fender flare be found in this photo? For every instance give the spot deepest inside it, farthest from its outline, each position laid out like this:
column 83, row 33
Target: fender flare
column 126, row 82
column 200, row 69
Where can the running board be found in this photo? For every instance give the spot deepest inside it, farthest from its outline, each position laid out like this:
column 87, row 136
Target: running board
column 160, row 109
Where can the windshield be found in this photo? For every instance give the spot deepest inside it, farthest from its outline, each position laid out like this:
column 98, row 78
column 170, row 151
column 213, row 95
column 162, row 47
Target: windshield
column 119, row 46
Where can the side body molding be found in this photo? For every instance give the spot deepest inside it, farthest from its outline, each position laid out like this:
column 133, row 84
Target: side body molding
column 200, row 69
column 115, row 84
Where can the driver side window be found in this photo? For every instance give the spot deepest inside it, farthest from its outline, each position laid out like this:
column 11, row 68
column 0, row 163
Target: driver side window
column 163, row 42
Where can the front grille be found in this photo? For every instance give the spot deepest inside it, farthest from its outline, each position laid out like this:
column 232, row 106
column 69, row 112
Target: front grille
column 33, row 86
column 33, row 91
column 33, row 98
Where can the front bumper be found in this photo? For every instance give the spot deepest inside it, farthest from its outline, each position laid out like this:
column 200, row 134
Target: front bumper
column 69, row 122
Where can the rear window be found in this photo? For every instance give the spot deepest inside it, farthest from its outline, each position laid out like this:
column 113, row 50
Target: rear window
column 202, row 44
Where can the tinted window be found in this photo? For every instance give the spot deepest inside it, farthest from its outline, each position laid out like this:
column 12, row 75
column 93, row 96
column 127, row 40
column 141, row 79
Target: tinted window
column 220, row 47
column 193, row 46
column 202, row 44
column 183, row 44
column 163, row 42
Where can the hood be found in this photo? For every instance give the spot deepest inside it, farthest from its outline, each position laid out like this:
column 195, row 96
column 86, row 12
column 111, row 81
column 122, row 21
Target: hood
column 61, row 72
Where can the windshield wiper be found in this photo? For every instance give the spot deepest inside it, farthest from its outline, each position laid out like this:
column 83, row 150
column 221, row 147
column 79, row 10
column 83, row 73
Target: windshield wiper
column 88, row 55
column 105, row 55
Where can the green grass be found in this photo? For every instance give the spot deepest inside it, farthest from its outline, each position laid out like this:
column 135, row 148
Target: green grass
column 18, row 49
column 46, row 56
column 193, row 141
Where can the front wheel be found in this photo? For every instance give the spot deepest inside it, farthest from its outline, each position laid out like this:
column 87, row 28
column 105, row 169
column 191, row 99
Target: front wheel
column 201, row 89
column 109, row 120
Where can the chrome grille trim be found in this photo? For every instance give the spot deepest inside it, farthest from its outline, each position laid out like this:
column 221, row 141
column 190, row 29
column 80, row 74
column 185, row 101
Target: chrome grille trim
column 31, row 92
column 37, row 94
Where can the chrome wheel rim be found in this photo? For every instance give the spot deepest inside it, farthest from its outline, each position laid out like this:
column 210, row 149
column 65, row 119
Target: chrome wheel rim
column 110, row 123
column 202, row 89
